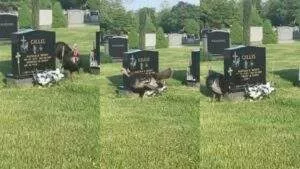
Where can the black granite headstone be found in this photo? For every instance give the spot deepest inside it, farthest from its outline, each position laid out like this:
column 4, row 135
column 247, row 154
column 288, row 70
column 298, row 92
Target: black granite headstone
column 32, row 51
column 98, row 41
column 117, row 47
column 217, row 41
column 193, row 75
column 140, row 61
column 244, row 66
column 8, row 25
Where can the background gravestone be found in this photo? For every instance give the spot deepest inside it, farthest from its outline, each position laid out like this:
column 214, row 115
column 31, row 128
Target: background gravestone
column 32, row 51
column 8, row 25
column 75, row 18
column 175, row 40
column 244, row 66
column 45, row 19
column 217, row 41
column 117, row 46
column 285, row 34
column 98, row 42
column 256, row 35
column 150, row 41
column 193, row 74
column 140, row 61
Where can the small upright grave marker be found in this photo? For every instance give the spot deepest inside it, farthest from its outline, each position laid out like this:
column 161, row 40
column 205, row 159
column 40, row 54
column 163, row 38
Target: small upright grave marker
column 193, row 71
column 244, row 66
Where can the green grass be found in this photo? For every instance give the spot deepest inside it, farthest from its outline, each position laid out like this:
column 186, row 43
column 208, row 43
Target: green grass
column 183, row 129
column 56, row 127
column 262, row 134
column 61, row 127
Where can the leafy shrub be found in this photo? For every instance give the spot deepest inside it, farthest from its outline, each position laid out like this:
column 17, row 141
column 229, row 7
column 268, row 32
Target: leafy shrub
column 133, row 39
column 270, row 37
column 25, row 20
column 236, row 33
column 59, row 19
column 161, row 40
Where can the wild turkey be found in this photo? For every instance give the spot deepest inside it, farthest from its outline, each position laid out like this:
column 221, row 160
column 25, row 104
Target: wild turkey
column 216, row 84
column 140, row 82
column 64, row 53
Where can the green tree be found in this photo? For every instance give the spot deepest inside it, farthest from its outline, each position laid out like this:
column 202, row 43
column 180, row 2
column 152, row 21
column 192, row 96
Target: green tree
column 133, row 38
column 247, row 10
column 219, row 13
column 35, row 4
column 161, row 40
column 191, row 27
column 236, row 33
column 59, row 19
column 269, row 37
column 256, row 20
column 24, row 15
column 146, row 19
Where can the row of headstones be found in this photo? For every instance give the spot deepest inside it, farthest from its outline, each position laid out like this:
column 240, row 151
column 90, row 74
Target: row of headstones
column 9, row 21
column 243, row 66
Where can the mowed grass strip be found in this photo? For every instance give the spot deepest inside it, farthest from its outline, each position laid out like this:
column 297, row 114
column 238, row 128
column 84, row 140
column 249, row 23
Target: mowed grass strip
column 159, row 132
column 56, row 127
column 261, row 134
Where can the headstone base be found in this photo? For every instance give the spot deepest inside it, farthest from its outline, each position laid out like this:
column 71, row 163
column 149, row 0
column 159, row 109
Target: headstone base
column 95, row 70
column 13, row 82
column 237, row 96
column 191, row 83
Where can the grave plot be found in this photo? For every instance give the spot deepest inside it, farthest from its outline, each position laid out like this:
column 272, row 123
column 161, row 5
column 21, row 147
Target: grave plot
column 33, row 51
column 244, row 66
column 141, row 73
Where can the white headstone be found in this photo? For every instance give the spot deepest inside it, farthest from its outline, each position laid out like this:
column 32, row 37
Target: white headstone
column 150, row 41
column 175, row 40
column 256, row 35
column 285, row 34
column 45, row 18
column 75, row 18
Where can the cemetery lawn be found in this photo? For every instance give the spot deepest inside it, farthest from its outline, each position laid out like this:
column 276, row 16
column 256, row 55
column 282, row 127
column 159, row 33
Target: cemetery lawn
column 56, row 127
column 183, row 129
column 261, row 134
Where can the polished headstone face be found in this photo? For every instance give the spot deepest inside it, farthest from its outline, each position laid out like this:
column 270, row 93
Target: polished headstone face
column 244, row 66
column 140, row 61
column 117, row 46
column 217, row 41
column 8, row 25
column 195, row 65
column 98, row 41
column 32, row 51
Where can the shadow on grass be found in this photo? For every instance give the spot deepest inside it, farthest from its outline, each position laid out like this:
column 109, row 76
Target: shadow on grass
column 116, row 80
column 179, row 75
column 5, row 68
column 204, row 90
column 85, row 63
column 290, row 75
